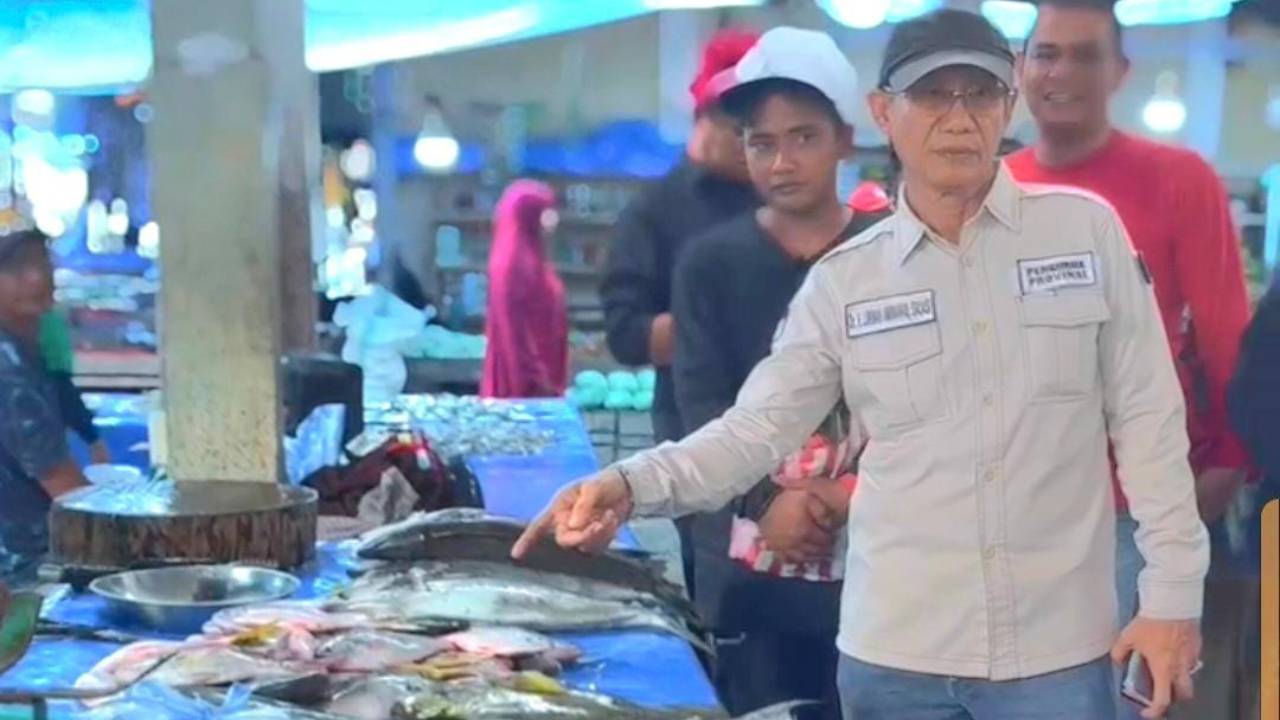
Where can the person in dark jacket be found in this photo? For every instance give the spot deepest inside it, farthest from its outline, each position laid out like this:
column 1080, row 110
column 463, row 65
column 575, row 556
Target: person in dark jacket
column 708, row 186
column 1254, row 394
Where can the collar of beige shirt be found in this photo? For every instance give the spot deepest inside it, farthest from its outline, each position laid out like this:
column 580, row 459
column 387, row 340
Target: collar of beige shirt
column 1002, row 203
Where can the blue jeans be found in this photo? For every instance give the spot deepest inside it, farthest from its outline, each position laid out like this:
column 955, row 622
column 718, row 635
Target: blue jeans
column 869, row 692
column 1129, row 563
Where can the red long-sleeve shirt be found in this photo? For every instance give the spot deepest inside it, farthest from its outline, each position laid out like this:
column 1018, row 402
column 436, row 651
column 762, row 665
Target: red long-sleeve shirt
column 1175, row 209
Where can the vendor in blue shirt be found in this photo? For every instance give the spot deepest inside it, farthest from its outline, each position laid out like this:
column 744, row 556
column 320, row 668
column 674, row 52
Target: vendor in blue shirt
column 35, row 464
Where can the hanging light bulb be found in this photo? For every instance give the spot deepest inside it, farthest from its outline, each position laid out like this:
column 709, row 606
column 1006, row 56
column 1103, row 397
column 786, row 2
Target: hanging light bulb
column 34, row 101
column 1165, row 113
column 358, row 161
column 436, row 149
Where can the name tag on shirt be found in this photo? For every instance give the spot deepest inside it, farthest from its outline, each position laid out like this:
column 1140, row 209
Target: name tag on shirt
column 891, row 313
column 1058, row 272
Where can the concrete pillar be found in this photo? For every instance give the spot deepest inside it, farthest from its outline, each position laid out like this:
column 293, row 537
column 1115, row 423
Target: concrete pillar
column 1204, row 87
column 681, row 34
column 384, row 132
column 299, row 203
column 229, row 170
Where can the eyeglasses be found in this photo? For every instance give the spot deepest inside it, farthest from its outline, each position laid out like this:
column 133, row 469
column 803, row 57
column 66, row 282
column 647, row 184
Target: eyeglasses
column 937, row 100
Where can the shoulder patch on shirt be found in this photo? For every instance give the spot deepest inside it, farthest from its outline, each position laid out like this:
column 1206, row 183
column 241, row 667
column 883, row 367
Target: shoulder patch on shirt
column 891, row 313
column 1057, row 272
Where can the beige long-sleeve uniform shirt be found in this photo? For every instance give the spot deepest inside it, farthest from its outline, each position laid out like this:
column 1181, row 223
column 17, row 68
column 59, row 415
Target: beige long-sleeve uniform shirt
column 989, row 377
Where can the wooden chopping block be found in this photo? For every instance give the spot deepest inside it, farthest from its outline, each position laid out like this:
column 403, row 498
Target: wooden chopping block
column 188, row 522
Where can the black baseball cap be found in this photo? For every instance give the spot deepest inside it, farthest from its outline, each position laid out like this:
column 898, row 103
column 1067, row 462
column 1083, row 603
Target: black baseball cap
column 944, row 38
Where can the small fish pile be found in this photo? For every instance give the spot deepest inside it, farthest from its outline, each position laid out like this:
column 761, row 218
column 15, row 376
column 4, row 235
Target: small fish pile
column 269, row 655
column 415, row 699
column 469, row 425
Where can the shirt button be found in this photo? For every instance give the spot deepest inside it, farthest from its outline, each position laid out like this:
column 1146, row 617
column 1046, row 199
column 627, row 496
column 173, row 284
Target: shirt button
column 990, row 476
column 979, row 327
column 968, row 261
column 988, row 400
column 989, row 553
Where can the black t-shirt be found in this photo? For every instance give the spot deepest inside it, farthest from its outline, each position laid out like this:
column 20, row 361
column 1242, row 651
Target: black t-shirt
column 642, row 256
column 732, row 287
column 32, row 441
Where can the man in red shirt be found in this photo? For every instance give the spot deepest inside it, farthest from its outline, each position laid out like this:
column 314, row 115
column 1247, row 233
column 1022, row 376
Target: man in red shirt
column 1176, row 211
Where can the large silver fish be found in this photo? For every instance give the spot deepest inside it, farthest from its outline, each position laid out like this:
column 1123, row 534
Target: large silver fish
column 462, row 534
column 507, row 602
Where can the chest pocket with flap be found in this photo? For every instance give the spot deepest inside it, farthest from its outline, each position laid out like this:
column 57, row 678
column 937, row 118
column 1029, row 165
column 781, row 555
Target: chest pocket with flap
column 1060, row 333
column 902, row 370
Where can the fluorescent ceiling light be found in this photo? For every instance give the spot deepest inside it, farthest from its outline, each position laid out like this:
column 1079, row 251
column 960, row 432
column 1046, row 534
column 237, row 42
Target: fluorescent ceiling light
column 698, row 4
column 452, row 35
column 1168, row 12
column 907, row 9
column 1014, row 19
column 859, row 14
column 867, row 14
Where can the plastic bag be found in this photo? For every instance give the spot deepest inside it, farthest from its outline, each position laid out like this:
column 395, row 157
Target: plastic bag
column 377, row 325
column 317, row 443
column 155, row 701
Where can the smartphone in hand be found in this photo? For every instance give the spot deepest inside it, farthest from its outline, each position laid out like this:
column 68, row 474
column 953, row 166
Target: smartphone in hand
column 1137, row 686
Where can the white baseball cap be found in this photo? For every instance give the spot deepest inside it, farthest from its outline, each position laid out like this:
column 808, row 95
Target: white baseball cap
column 804, row 56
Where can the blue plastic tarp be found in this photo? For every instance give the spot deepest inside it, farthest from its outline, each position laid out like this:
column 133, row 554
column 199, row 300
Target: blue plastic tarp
column 641, row 667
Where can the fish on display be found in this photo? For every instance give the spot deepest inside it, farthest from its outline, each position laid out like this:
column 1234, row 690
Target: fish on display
column 486, row 701
column 187, row 664
column 127, row 664
column 376, row 650
column 469, row 534
column 372, row 698
column 505, row 642
column 497, row 601
column 310, row 615
column 394, row 576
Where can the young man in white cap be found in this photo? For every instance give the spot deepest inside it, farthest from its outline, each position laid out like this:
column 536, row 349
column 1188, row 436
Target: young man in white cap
column 990, row 338
column 768, row 577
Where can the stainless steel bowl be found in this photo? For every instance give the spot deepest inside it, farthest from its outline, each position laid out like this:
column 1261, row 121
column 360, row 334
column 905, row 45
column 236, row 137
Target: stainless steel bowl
column 180, row 599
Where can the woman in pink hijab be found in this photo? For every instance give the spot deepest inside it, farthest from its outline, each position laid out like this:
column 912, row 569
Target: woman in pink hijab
column 527, row 323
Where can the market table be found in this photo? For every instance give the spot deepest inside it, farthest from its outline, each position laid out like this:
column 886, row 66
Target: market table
column 642, row 667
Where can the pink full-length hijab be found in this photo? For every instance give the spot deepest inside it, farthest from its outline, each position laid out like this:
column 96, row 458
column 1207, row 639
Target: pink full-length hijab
column 527, row 322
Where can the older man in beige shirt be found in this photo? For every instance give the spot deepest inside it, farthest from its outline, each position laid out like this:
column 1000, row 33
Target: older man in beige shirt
column 991, row 338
